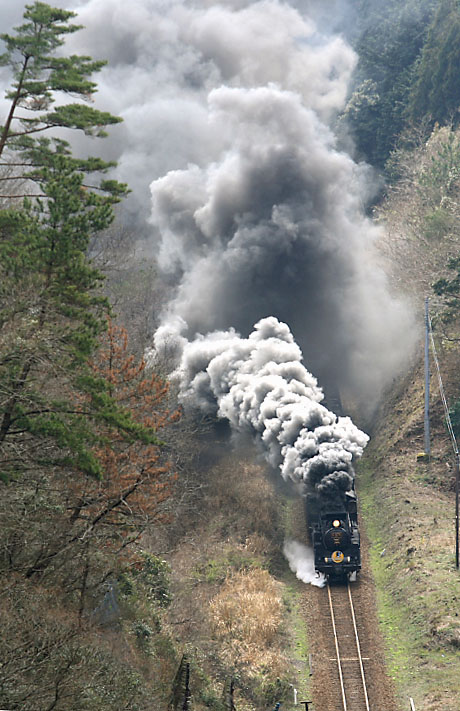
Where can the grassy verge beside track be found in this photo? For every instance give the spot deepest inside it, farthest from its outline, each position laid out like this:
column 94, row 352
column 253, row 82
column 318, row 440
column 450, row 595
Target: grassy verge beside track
column 294, row 599
column 408, row 510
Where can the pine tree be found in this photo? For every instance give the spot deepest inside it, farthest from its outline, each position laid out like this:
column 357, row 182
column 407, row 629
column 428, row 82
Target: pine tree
column 51, row 310
column 436, row 86
column 40, row 76
column 81, row 465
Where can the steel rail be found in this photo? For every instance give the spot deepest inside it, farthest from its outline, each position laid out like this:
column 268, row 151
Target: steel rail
column 358, row 649
column 339, row 665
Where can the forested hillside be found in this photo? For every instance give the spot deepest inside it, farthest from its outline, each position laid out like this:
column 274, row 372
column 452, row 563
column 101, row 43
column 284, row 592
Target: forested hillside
column 141, row 542
column 82, row 470
column 406, row 75
column 404, row 116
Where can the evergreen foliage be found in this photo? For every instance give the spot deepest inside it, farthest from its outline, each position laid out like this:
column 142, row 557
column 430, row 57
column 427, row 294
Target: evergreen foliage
column 388, row 44
column 435, row 90
column 449, row 288
column 454, row 413
column 82, row 470
column 40, row 76
column 51, row 309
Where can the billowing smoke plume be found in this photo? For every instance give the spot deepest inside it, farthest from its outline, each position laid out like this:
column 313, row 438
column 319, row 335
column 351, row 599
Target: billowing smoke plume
column 269, row 219
column 254, row 210
column 260, row 386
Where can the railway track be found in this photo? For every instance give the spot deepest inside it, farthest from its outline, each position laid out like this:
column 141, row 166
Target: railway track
column 348, row 660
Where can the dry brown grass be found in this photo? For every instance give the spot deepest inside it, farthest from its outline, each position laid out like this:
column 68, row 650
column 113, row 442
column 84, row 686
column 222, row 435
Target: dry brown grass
column 246, row 615
column 239, row 487
column 227, row 609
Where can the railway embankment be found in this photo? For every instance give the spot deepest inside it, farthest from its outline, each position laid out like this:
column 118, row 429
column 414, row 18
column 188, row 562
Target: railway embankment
column 326, row 654
column 408, row 511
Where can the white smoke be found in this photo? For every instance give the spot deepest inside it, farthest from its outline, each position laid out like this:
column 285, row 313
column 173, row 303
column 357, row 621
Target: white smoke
column 301, row 561
column 260, row 386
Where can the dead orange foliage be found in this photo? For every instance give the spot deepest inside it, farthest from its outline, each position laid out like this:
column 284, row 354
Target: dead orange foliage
column 137, row 480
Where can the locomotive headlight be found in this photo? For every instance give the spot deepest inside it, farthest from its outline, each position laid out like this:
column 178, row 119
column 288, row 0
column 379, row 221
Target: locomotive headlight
column 336, row 523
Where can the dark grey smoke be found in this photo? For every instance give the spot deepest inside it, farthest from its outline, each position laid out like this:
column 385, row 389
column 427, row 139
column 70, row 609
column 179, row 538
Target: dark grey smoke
column 260, row 386
column 275, row 226
column 165, row 56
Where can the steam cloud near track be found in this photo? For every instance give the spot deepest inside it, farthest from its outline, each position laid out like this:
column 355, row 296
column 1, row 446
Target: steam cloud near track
column 301, row 561
column 260, row 386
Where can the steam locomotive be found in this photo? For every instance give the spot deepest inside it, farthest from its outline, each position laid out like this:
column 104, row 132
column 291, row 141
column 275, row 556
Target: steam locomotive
column 336, row 543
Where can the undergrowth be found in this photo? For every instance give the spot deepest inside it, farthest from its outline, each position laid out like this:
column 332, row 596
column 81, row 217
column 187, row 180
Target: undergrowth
column 229, row 606
column 408, row 511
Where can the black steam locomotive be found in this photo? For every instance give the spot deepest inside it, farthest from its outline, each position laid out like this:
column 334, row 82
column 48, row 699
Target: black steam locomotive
column 335, row 538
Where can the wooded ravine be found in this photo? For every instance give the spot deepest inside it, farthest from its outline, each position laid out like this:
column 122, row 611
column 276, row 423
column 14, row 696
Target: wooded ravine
column 219, row 226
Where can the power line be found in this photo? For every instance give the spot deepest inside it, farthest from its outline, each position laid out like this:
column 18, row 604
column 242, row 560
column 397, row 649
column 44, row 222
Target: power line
column 453, row 440
column 442, row 391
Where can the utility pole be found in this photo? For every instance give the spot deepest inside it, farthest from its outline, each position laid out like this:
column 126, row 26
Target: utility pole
column 427, row 379
column 457, row 486
column 187, row 695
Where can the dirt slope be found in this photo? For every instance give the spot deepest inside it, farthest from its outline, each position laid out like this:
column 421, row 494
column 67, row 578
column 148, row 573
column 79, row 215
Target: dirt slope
column 408, row 508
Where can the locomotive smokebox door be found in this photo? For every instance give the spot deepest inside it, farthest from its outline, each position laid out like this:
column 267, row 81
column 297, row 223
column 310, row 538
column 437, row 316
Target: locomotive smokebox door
column 335, row 537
